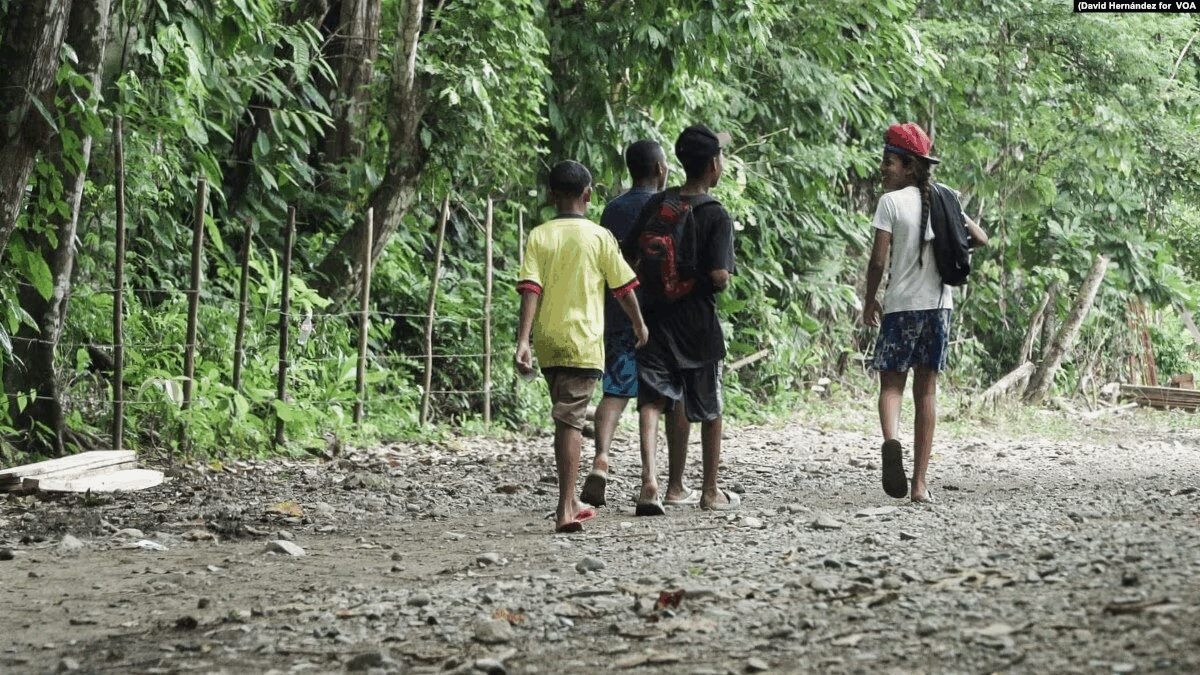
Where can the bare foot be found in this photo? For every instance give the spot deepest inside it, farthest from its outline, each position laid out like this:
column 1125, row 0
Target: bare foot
column 920, row 494
column 648, row 493
column 600, row 463
column 719, row 500
column 677, row 493
column 570, row 519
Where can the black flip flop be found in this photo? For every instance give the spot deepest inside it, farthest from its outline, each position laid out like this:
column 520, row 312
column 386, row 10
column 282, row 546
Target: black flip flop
column 895, row 482
column 593, row 488
column 653, row 507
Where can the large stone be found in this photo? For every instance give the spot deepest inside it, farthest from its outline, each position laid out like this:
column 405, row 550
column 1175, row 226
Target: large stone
column 69, row 545
column 285, row 547
column 494, row 631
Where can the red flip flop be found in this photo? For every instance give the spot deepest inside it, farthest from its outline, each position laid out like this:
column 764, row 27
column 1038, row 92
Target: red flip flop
column 586, row 513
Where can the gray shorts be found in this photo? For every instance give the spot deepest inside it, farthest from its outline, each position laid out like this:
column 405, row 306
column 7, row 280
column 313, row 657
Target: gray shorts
column 698, row 389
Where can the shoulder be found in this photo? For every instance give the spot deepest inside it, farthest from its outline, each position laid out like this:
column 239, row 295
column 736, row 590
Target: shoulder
column 713, row 212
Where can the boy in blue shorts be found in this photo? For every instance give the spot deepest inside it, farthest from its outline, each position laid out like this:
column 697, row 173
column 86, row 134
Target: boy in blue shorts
column 647, row 164
column 570, row 264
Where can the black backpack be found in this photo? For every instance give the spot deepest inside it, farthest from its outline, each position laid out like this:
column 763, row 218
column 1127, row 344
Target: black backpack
column 666, row 249
column 951, row 247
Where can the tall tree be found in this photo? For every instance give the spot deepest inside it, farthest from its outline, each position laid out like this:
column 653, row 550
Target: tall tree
column 69, row 154
column 29, row 57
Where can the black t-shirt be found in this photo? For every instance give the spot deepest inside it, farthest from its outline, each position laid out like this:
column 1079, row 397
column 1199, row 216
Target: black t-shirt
column 688, row 332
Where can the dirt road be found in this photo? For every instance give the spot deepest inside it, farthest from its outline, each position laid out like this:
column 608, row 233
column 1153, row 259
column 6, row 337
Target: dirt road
column 1041, row 556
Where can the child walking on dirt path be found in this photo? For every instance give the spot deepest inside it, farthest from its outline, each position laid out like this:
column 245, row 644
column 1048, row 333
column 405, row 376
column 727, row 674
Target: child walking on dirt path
column 647, row 164
column 570, row 262
column 680, row 366
column 916, row 309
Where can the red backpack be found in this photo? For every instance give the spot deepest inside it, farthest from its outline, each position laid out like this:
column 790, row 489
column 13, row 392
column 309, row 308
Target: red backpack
column 666, row 252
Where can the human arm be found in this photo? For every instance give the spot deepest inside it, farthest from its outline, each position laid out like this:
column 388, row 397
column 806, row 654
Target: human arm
column 872, row 309
column 629, row 302
column 976, row 237
column 721, row 253
column 523, row 358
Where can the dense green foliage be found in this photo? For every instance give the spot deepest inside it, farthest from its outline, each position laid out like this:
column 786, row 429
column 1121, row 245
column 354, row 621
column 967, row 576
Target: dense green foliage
column 1068, row 134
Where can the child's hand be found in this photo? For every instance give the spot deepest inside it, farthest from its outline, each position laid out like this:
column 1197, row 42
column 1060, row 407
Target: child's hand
column 720, row 279
column 872, row 314
column 641, row 333
column 523, row 359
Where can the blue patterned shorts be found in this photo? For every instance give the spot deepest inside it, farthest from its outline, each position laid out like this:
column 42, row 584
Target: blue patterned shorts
column 916, row 338
column 620, row 364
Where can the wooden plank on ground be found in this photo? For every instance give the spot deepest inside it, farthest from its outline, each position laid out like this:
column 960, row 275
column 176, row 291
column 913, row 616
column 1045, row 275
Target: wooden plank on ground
column 84, row 462
column 1163, row 397
column 128, row 479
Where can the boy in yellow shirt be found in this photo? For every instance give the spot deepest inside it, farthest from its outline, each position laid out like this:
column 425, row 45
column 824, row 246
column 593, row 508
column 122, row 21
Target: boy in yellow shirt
column 570, row 263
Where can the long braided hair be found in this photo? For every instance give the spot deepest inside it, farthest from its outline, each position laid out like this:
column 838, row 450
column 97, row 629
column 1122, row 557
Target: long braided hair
column 922, row 171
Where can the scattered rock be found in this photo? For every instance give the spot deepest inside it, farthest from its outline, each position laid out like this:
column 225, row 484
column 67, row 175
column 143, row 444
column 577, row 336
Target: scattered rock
column 494, row 631
column 589, row 564
column 824, row 521
column 825, row 584
column 368, row 660
column 69, row 545
column 418, row 600
column 490, row 666
column 285, row 547
column 489, row 558
column 756, row 665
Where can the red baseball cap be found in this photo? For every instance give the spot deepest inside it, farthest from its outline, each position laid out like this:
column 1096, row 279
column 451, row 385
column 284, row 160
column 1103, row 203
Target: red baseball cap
column 909, row 139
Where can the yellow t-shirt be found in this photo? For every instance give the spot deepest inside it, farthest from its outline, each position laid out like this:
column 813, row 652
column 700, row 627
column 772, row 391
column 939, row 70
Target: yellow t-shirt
column 572, row 262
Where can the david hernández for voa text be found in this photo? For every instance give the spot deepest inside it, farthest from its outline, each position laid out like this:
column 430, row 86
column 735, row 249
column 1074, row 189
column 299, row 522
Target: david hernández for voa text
column 1157, row 6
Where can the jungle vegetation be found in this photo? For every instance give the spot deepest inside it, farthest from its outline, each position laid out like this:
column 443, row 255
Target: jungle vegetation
column 1075, row 139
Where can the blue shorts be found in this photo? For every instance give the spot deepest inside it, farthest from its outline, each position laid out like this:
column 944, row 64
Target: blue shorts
column 916, row 338
column 620, row 364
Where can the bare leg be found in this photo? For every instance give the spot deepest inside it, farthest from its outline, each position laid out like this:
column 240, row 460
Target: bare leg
column 608, row 413
column 710, row 447
column 891, row 394
column 648, row 416
column 891, row 391
column 925, row 400
column 678, row 430
column 568, row 441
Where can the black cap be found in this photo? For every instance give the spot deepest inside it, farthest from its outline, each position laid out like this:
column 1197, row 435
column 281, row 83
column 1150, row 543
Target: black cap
column 700, row 141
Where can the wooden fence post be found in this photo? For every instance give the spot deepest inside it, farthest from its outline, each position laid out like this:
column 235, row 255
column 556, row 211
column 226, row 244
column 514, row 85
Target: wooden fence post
column 189, row 354
column 239, row 340
column 118, row 315
column 364, row 317
column 285, row 309
column 429, row 308
column 487, row 317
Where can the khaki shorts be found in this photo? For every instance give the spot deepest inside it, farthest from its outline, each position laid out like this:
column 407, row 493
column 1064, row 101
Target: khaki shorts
column 570, row 393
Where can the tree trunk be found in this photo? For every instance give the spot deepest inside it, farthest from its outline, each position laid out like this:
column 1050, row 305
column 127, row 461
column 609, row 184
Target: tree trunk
column 1040, row 383
column 31, row 38
column 1035, row 326
column 339, row 274
column 1015, row 378
column 353, row 48
column 33, row 351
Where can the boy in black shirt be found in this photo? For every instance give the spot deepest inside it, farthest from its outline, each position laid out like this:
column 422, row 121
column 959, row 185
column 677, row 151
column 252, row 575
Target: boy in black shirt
column 681, row 363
